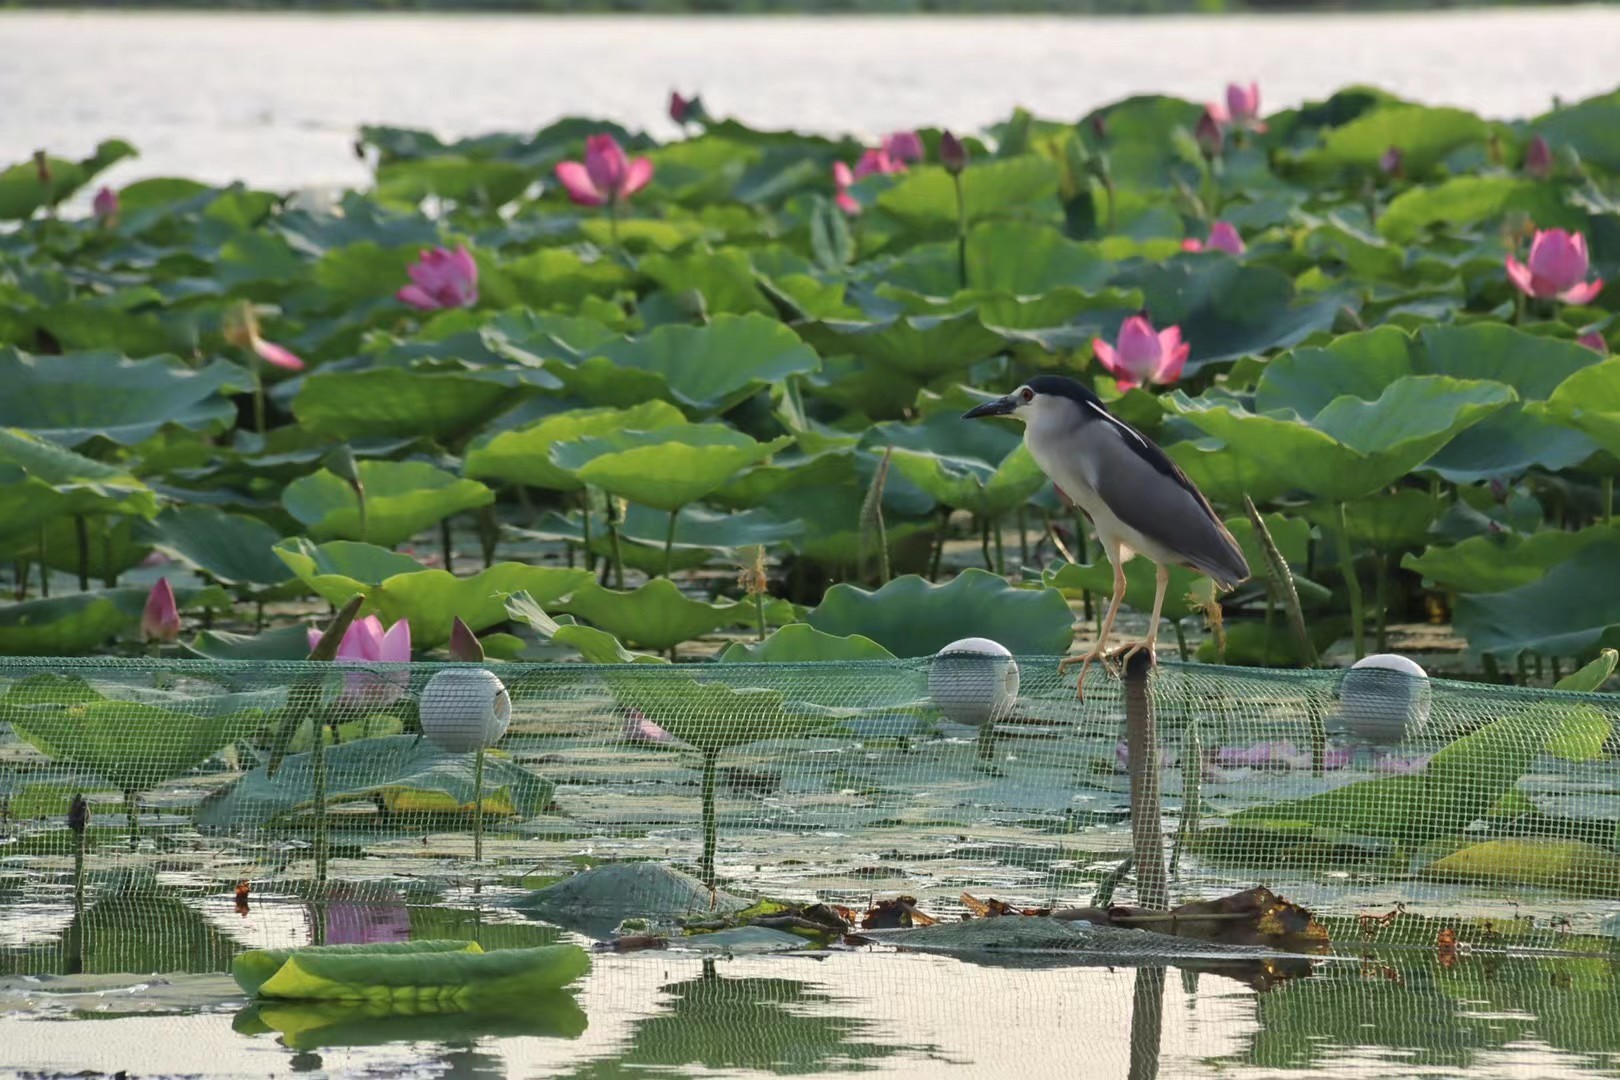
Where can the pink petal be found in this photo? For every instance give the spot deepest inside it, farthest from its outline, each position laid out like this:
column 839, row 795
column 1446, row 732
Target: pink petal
column 314, row 638
column 1105, row 355
column 272, row 353
column 415, row 296
column 1595, row 342
column 848, row 203
column 1582, row 294
column 605, row 163
column 395, row 645
column 160, row 619
column 1139, row 350
column 876, row 161
column 841, row 174
column 363, row 640
column 1192, row 244
column 1560, row 258
column 1225, row 237
column 577, row 182
column 636, row 177
column 465, row 265
column 902, row 146
column 1519, row 274
column 1217, row 112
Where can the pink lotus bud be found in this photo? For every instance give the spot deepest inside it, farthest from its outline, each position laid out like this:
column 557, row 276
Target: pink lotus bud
column 842, row 179
column 464, row 644
column 365, row 641
column 902, row 147
column 1099, row 127
column 1538, row 161
column 1393, row 162
column 1499, row 489
column 1595, row 342
column 678, row 107
column 1142, row 354
column 1242, row 107
column 606, row 175
column 877, row 162
column 1208, row 134
column 1223, row 236
column 442, row 278
column 952, row 154
column 105, row 205
column 160, row 619
column 1556, row 268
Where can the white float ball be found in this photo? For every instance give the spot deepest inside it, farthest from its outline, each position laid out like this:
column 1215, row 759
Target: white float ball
column 1384, row 698
column 973, row 681
column 465, row 709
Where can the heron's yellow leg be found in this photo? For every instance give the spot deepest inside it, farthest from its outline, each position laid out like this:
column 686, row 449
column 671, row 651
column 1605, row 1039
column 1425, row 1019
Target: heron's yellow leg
column 1160, row 589
column 1107, row 627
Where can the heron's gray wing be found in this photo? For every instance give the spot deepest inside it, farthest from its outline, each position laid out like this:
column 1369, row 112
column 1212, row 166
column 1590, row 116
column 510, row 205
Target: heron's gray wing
column 1150, row 493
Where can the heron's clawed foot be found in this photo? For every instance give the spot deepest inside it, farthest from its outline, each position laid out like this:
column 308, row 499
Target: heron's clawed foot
column 1085, row 664
column 1117, row 663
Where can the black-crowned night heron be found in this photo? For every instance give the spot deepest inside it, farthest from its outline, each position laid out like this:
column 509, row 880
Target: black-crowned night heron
column 1138, row 500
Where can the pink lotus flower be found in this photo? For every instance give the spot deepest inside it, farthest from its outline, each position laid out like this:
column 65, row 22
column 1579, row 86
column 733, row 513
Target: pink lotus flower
column 1242, row 108
column 1556, row 268
column 242, row 330
column 637, row 728
column 1595, row 342
column 902, row 147
column 160, row 619
column 1393, row 162
column 842, row 179
column 1143, row 354
column 366, row 642
column 1281, row 754
column 878, row 162
column 1223, row 236
column 105, row 205
column 606, row 176
column 442, row 278
column 1400, row 764
column 1538, row 161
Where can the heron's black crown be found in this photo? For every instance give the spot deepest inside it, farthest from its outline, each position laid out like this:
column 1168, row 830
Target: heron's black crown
column 1063, row 386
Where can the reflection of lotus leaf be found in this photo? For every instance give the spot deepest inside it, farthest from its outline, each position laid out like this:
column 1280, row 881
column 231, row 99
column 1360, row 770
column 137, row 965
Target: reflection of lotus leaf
column 306, row 1025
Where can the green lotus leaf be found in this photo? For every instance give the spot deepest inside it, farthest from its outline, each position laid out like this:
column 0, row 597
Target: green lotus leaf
column 280, row 643
column 1588, row 401
column 701, row 535
column 402, row 499
column 710, row 716
column 1590, row 127
column 40, row 480
column 706, row 369
column 72, row 398
column 82, row 621
column 252, row 969
column 594, row 646
column 656, row 616
column 911, row 617
column 232, row 548
column 1507, row 443
column 131, row 744
column 408, row 773
column 385, row 402
column 116, row 544
column 1471, row 200
column 925, row 199
column 1425, row 135
column 458, row 179
column 665, row 469
column 1017, row 257
column 432, row 599
column 1388, row 521
column 1573, row 867
column 969, row 484
column 1497, row 562
column 551, row 277
column 338, row 569
column 21, row 193
column 1141, row 143
column 923, row 347
column 799, row 643
column 522, row 455
column 1569, row 611
column 1227, row 309
column 725, row 278
column 1352, row 447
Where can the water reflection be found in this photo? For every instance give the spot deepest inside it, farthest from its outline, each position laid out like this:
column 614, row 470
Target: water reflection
column 309, row 1025
column 766, row 1025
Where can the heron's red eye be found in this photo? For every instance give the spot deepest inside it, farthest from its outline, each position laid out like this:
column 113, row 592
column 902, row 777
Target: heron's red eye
column 1027, row 394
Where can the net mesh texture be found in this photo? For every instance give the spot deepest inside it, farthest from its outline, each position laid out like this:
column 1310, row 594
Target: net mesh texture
column 1353, row 794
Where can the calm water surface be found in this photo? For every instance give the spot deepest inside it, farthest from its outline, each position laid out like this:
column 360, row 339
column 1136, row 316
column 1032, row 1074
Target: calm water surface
column 277, row 98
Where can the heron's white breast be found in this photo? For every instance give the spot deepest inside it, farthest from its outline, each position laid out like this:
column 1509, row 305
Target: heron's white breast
column 1064, row 457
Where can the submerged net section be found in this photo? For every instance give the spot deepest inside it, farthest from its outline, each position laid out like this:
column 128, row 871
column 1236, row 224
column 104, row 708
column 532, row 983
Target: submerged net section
column 1354, row 794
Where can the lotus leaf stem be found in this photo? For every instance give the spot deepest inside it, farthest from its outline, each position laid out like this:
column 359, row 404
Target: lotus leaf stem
column 318, row 762
column 44, row 567
column 590, row 556
column 984, row 543
column 1181, row 640
column 669, row 542
column 1023, row 537
column 445, row 545
column 132, row 815
column 1608, row 501
column 1352, row 584
column 1381, row 594
column 1001, row 556
column 613, row 539
column 81, row 530
column 478, row 805
column 1192, row 777
column 961, row 232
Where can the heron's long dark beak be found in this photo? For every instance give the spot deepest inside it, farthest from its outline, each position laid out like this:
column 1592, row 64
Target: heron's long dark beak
column 999, row 407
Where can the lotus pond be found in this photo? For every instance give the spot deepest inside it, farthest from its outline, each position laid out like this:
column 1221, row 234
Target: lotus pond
column 665, row 436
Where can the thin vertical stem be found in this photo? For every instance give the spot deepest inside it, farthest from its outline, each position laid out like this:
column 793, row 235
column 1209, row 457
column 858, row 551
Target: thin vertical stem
column 590, row 556
column 711, row 761
column 1608, row 500
column 258, row 396
column 759, row 613
column 44, row 569
column 613, row 224
column 1001, row 556
column 1192, row 778
column 984, row 543
column 613, row 539
column 939, row 544
column 961, row 233
column 1023, row 537
column 445, row 545
column 478, row 806
column 81, row 530
column 132, row 815
column 318, row 761
column 1181, row 640
column 1381, row 596
column 669, row 543
column 1352, row 584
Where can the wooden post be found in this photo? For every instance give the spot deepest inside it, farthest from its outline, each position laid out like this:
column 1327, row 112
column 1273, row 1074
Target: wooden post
column 1142, row 743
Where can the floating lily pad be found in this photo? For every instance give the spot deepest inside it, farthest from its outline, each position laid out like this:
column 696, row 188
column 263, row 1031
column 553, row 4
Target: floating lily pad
column 595, row 901
column 402, row 499
column 409, row 774
column 1570, row 866
column 800, row 643
column 383, row 402
column 656, row 616
column 911, row 617
column 665, row 469
column 594, row 646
